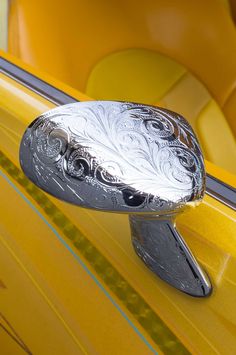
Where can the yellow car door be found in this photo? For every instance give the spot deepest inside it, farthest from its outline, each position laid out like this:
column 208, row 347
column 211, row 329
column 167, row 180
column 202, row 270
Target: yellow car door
column 70, row 281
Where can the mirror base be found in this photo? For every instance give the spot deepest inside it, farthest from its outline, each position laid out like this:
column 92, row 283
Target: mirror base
column 160, row 246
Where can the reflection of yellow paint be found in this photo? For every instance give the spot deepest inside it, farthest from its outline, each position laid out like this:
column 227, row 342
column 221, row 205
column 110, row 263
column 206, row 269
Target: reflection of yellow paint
column 10, row 331
column 2, row 284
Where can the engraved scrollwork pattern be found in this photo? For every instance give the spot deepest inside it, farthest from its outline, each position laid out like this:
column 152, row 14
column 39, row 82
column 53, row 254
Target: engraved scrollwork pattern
column 140, row 157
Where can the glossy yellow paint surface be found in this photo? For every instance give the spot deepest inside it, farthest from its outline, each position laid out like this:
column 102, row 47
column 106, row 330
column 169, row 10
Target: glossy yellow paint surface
column 179, row 55
column 94, row 30
column 82, row 275
column 79, row 304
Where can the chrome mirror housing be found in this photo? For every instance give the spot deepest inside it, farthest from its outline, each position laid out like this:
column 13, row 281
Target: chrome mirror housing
column 127, row 158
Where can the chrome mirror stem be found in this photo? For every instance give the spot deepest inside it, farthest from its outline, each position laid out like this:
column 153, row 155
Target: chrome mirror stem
column 160, row 246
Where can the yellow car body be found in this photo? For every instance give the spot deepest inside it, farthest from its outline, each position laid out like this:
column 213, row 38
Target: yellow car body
column 70, row 282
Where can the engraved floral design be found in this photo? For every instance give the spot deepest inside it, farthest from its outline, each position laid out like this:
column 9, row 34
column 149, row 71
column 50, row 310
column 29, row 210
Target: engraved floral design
column 138, row 156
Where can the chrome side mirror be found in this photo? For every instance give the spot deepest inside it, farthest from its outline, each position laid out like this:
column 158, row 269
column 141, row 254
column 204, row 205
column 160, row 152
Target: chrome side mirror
column 130, row 158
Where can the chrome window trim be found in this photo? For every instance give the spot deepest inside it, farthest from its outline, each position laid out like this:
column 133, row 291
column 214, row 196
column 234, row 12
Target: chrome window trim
column 215, row 188
column 35, row 84
column 221, row 191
